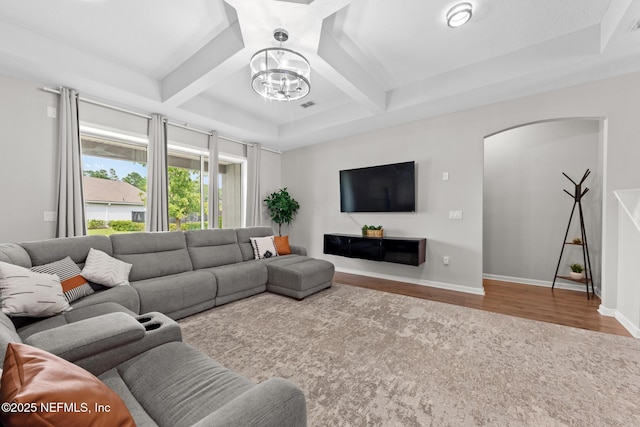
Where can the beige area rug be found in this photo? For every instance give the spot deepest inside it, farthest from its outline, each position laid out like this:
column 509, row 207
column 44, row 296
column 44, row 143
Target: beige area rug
column 369, row 358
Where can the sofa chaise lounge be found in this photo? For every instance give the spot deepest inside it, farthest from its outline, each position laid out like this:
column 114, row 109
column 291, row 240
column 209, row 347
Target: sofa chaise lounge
column 173, row 275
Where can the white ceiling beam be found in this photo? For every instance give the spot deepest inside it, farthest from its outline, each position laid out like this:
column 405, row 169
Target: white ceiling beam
column 611, row 21
column 327, row 119
column 346, row 73
column 218, row 59
column 230, row 120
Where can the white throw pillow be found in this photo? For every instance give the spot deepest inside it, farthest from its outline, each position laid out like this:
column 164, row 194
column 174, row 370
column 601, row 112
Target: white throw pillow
column 29, row 294
column 263, row 247
column 105, row 270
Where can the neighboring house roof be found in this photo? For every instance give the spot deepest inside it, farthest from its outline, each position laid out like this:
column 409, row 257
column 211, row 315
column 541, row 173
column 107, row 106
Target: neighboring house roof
column 99, row 190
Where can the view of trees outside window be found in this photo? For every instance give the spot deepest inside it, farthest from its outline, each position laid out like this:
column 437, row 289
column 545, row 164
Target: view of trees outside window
column 115, row 187
column 115, row 184
column 188, row 185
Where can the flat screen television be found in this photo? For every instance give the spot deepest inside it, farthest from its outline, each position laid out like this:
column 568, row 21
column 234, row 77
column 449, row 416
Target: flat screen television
column 385, row 188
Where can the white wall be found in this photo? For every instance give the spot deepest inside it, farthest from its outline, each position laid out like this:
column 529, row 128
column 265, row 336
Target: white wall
column 28, row 157
column 525, row 210
column 454, row 143
column 312, row 175
column 628, row 307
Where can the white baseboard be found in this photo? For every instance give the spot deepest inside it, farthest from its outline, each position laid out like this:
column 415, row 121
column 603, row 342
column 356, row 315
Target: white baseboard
column 534, row 282
column 609, row 312
column 440, row 285
column 629, row 326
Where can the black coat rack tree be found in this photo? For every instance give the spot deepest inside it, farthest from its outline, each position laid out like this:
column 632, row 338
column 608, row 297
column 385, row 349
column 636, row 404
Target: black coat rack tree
column 577, row 197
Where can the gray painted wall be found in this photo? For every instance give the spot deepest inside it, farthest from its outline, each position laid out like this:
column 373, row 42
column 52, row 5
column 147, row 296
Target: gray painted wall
column 454, row 143
column 525, row 210
column 28, row 158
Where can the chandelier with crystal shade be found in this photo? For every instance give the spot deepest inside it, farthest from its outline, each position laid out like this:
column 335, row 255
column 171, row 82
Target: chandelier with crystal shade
column 280, row 74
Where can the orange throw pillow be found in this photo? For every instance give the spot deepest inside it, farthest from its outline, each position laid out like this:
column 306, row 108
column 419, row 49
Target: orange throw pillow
column 282, row 245
column 41, row 389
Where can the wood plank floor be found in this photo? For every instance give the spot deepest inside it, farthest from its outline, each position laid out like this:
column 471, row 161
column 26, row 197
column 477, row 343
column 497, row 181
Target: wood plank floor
column 563, row 307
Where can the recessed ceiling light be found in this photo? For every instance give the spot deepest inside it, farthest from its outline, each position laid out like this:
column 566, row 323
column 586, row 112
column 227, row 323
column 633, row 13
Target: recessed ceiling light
column 459, row 15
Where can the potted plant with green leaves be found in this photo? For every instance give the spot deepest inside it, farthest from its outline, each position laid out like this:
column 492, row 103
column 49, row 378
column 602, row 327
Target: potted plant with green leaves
column 282, row 207
column 577, row 271
column 372, row 230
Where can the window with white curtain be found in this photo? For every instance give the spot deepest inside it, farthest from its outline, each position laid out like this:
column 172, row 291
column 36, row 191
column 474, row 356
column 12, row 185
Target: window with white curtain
column 116, row 178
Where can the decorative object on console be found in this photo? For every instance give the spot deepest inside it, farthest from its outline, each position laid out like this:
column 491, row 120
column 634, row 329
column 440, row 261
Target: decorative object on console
column 25, row 293
column 73, row 284
column 282, row 207
column 263, row 247
column 280, row 74
column 577, row 241
column 372, row 231
column 105, row 270
column 35, row 377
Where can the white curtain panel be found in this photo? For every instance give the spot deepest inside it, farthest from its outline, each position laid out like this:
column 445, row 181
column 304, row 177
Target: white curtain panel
column 213, row 180
column 157, row 180
column 254, row 204
column 71, row 218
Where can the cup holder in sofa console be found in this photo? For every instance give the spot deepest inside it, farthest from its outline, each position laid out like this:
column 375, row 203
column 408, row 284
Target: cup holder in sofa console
column 152, row 326
column 144, row 319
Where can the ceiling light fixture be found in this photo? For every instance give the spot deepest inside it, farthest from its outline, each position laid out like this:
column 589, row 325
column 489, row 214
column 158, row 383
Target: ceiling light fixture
column 459, row 15
column 280, row 74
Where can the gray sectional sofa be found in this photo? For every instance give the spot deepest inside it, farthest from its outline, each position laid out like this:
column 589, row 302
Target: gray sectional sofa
column 173, row 275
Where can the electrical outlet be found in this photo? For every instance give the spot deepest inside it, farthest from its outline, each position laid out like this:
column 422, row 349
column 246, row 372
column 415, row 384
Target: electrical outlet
column 52, row 112
column 445, row 260
column 445, row 176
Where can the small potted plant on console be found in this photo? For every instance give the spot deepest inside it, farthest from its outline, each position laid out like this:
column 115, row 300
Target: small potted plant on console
column 372, row 231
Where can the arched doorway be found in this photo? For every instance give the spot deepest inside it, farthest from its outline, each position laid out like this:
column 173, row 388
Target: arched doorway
column 525, row 211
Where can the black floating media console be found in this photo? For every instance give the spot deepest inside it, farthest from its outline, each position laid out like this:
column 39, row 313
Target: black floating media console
column 400, row 250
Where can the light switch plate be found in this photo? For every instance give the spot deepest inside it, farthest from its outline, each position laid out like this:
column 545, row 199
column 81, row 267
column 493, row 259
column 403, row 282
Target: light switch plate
column 457, row 214
column 49, row 216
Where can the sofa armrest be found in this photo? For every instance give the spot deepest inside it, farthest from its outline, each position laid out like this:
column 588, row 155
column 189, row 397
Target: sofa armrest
column 272, row 403
column 87, row 337
column 298, row 250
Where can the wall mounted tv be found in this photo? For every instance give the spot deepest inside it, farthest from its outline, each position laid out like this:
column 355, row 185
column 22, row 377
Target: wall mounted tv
column 386, row 188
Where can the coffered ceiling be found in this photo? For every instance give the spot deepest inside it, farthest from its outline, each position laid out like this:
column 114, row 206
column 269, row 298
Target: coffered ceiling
column 375, row 63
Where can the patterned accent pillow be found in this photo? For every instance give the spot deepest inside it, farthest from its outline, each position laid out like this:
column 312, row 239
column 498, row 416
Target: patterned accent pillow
column 73, row 284
column 25, row 293
column 263, row 247
column 105, row 270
